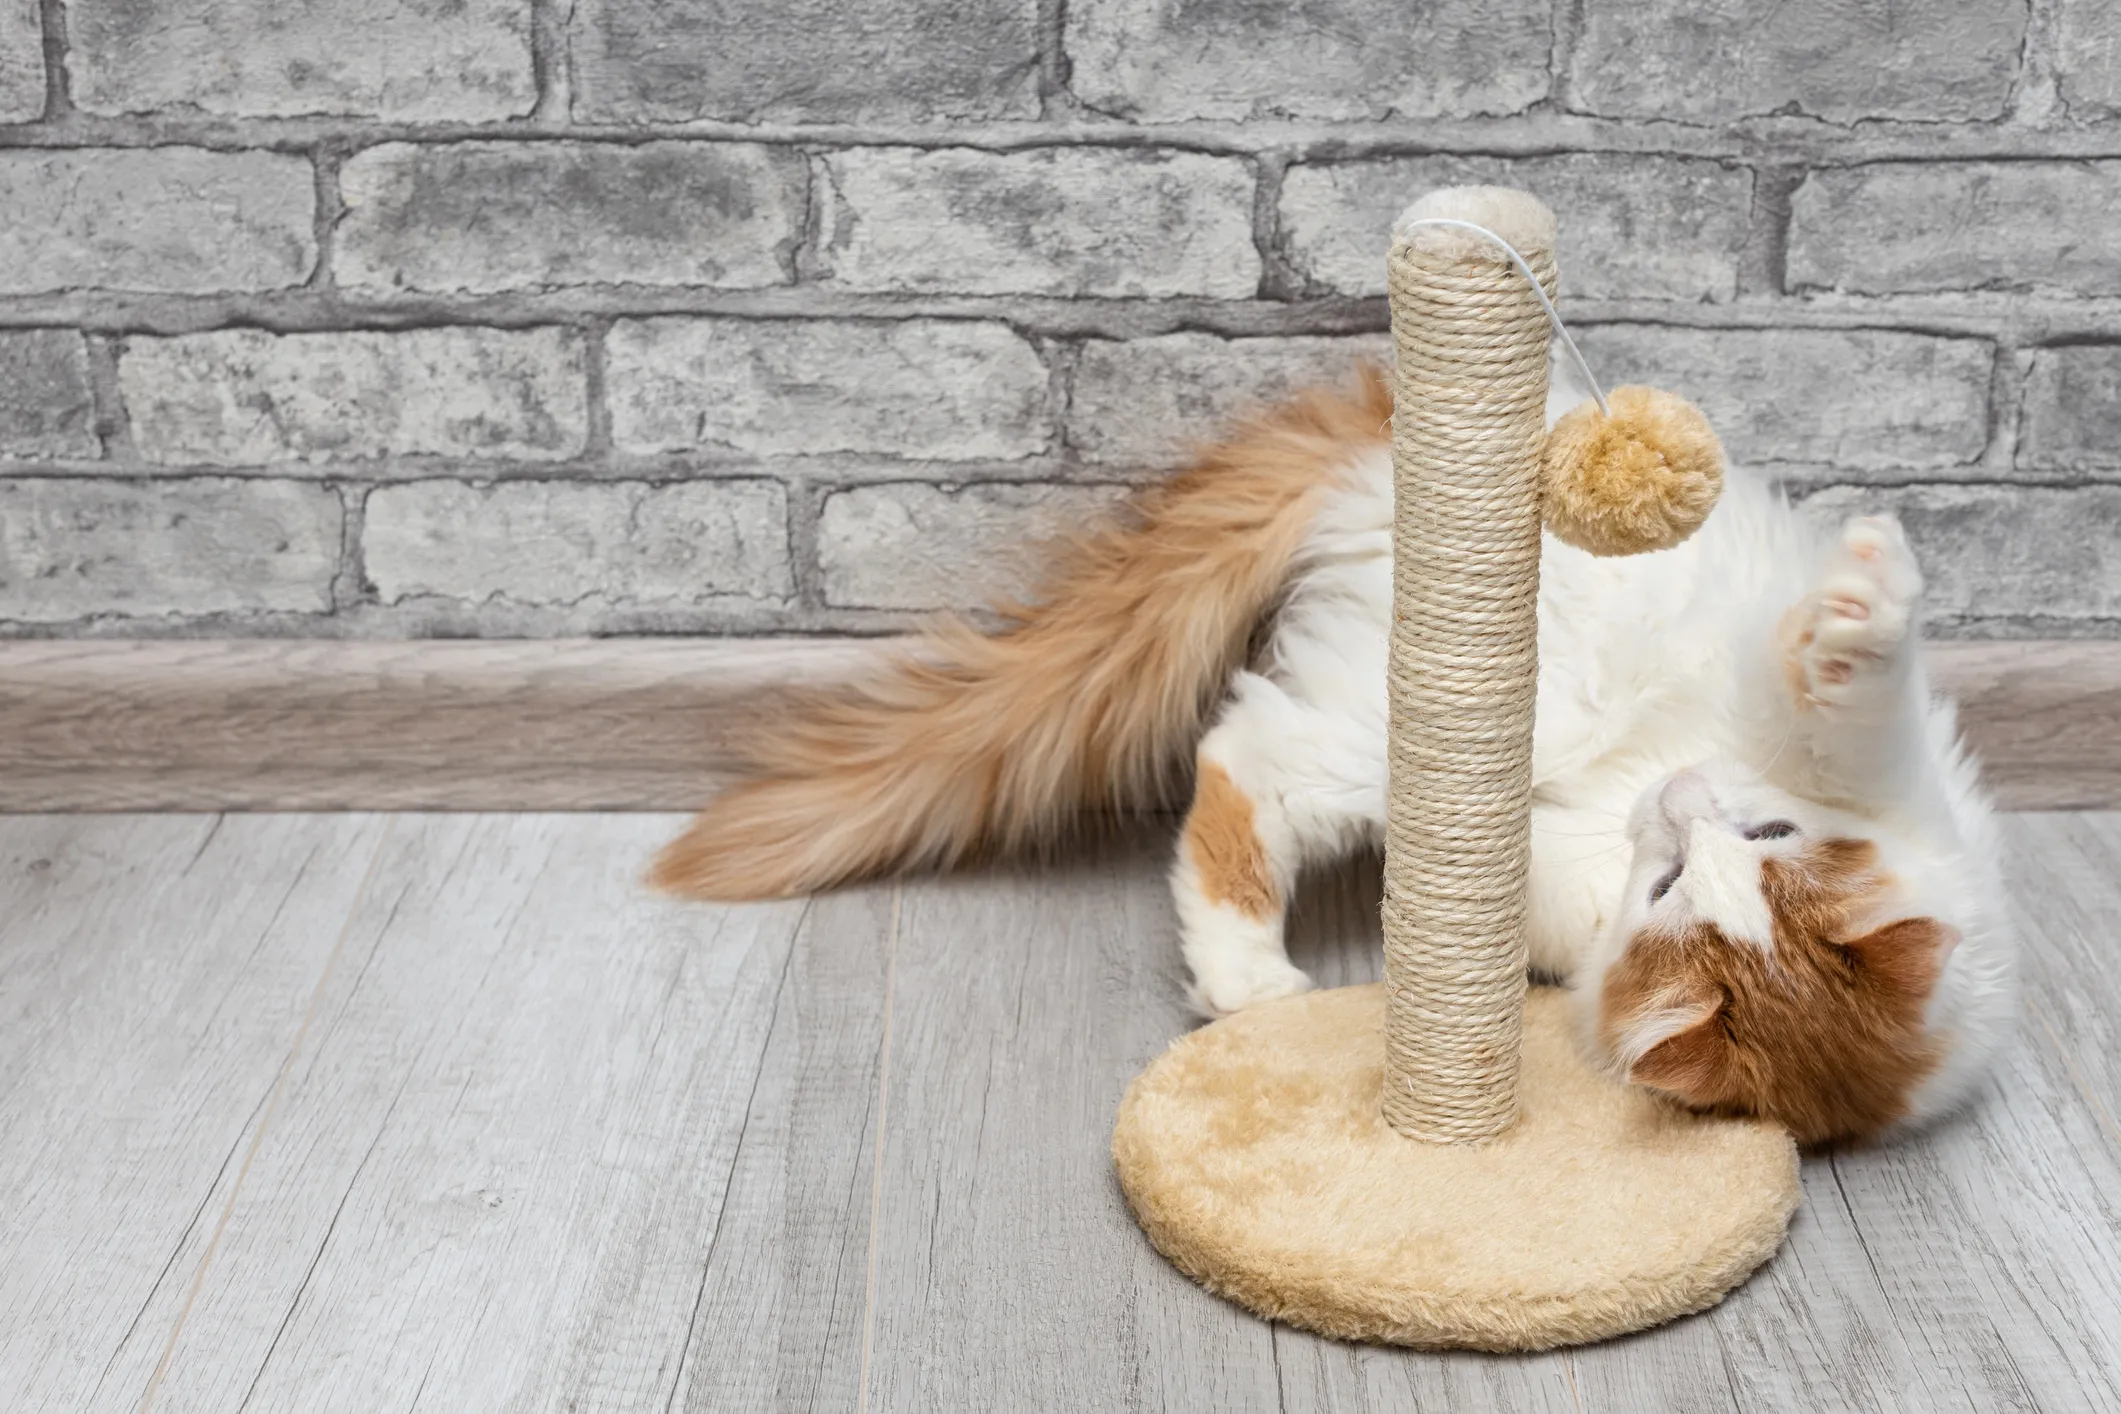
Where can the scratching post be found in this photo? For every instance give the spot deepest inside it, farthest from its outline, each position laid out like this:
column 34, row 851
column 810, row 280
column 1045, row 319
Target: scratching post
column 1431, row 1162
column 1468, row 421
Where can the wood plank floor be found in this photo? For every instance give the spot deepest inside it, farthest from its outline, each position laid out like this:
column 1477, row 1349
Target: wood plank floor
column 320, row 1113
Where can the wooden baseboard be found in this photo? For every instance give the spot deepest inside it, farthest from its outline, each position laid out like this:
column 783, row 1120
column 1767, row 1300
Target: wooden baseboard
column 644, row 724
column 2044, row 717
column 575, row 724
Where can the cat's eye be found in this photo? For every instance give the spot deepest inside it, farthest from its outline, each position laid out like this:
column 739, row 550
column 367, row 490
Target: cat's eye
column 1664, row 885
column 1772, row 830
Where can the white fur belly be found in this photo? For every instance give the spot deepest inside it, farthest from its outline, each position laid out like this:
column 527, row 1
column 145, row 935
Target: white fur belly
column 1621, row 702
column 1317, row 720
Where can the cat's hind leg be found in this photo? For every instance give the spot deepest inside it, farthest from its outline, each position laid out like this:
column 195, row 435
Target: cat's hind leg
column 1232, row 896
column 1269, row 796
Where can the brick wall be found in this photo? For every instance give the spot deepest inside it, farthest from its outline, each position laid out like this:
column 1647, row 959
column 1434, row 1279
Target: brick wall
column 555, row 316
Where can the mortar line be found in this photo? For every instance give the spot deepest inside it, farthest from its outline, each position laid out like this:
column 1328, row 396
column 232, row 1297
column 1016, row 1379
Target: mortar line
column 113, row 423
column 330, row 207
column 58, row 81
column 2037, row 320
column 1765, row 139
column 551, row 61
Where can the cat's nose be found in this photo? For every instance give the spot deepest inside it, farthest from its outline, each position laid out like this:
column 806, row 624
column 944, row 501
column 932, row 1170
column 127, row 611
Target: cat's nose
column 1686, row 798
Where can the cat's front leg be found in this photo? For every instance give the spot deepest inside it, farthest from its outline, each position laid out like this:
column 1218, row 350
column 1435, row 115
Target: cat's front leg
column 1851, row 665
column 1850, row 643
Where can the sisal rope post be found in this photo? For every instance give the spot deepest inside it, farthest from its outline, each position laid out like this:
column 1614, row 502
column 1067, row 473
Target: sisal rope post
column 1468, row 423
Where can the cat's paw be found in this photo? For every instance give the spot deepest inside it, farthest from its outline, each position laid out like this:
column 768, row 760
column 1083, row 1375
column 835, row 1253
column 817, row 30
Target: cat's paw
column 1232, row 981
column 1855, row 626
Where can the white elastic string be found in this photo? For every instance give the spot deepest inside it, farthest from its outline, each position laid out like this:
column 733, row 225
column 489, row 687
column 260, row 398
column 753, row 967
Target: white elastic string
column 1553, row 315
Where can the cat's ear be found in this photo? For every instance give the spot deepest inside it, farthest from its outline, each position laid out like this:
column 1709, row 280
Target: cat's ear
column 1905, row 957
column 1685, row 1053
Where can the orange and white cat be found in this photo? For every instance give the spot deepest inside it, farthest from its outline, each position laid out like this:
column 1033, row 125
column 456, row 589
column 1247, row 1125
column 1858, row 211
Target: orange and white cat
column 1758, row 853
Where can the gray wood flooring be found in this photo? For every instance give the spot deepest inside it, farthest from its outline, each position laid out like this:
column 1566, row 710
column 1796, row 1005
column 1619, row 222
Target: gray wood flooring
column 441, row 1112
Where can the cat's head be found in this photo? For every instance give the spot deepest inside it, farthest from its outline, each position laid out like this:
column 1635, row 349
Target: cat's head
column 1766, row 960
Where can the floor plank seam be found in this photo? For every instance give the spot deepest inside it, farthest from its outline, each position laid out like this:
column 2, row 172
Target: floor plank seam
column 736, row 1157
column 2103, row 1116
column 1863, row 1241
column 2032, row 1401
column 200, row 853
column 309, row 1273
column 1730, row 1376
column 190, row 1226
column 883, row 1102
column 257, row 1142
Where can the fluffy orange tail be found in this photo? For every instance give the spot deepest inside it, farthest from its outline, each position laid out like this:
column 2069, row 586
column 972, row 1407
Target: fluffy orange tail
column 1088, row 699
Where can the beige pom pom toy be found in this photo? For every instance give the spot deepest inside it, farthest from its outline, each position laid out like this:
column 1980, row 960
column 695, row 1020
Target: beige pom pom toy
column 1624, row 474
column 1641, row 474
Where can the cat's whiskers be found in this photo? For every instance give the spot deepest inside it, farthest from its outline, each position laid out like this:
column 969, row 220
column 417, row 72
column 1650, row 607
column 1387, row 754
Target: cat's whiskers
column 1788, row 734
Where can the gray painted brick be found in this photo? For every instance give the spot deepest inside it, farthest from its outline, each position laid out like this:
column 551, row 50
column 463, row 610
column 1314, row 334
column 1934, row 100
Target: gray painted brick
column 1851, row 398
column 1927, row 60
column 913, row 546
column 241, row 397
column 467, row 60
column 913, row 388
column 1056, row 221
column 2088, row 56
column 802, row 61
column 177, row 219
column 21, row 61
column 2072, row 422
column 489, row 216
column 1894, row 227
column 46, row 407
column 2003, row 552
column 1631, row 227
column 1167, row 60
column 453, row 223
column 608, row 545
column 74, row 548
column 1144, row 402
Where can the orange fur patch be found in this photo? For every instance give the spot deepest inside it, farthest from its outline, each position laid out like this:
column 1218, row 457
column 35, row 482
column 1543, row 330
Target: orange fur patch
column 1088, row 698
column 1795, row 634
column 1225, row 848
column 1824, row 1035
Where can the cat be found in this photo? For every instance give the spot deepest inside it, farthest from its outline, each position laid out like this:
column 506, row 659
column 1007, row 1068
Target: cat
column 1760, row 857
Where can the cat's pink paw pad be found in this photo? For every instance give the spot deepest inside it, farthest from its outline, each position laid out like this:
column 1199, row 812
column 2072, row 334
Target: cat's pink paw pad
column 1872, row 537
column 1874, row 549
column 1862, row 610
column 1849, row 608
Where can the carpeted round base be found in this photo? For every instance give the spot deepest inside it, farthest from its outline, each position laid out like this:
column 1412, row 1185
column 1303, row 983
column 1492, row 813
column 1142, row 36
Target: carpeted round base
column 1255, row 1157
